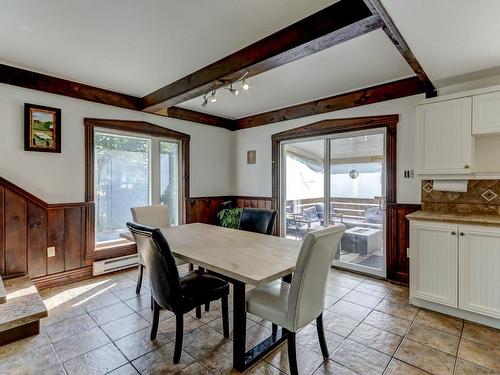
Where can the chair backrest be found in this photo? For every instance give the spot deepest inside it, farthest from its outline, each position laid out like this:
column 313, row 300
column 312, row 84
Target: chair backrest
column 307, row 292
column 257, row 220
column 157, row 216
column 157, row 257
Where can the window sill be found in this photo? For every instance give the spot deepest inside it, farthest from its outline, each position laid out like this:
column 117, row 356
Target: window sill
column 113, row 250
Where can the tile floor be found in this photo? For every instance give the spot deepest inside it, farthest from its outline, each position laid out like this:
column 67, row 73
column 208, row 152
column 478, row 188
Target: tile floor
column 100, row 326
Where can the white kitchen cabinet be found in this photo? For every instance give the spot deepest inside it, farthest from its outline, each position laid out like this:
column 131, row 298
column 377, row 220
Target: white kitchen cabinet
column 445, row 144
column 486, row 113
column 479, row 270
column 433, row 262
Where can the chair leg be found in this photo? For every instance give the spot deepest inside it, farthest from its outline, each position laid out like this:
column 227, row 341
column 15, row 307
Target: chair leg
column 179, row 335
column 321, row 336
column 198, row 312
column 191, row 267
column 156, row 319
column 139, row 279
column 152, row 303
column 275, row 329
column 292, row 354
column 225, row 317
column 207, row 306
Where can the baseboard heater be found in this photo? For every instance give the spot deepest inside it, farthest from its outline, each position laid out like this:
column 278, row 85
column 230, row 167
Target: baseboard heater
column 115, row 264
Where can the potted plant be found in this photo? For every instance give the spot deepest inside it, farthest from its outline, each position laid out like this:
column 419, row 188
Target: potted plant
column 229, row 217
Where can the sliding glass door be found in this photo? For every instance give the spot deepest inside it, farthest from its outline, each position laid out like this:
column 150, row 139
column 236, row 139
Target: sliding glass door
column 355, row 194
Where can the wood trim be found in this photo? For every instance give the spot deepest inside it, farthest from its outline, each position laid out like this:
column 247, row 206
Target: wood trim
column 20, row 332
column 397, row 39
column 199, row 117
column 335, row 24
column 139, row 127
column 387, row 91
column 63, row 278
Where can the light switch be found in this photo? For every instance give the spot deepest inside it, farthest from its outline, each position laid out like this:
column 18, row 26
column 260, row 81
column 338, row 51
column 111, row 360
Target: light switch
column 51, row 251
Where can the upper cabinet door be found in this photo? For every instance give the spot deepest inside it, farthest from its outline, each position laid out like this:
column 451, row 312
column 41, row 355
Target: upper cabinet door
column 486, row 113
column 445, row 137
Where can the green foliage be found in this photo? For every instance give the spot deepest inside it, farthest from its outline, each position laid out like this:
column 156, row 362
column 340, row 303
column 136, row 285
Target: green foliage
column 229, row 217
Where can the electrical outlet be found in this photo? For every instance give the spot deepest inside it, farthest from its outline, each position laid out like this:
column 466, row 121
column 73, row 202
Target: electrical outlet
column 51, row 251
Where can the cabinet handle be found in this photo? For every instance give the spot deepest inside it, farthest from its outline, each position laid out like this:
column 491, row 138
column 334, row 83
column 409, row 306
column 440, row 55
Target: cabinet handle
column 453, row 233
column 462, row 233
column 466, row 166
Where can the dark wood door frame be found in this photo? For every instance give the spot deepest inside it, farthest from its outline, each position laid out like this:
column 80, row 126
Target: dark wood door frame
column 139, row 127
column 336, row 126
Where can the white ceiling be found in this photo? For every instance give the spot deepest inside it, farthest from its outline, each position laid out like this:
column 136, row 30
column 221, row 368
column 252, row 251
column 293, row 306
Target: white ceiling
column 364, row 61
column 136, row 47
column 132, row 46
column 450, row 38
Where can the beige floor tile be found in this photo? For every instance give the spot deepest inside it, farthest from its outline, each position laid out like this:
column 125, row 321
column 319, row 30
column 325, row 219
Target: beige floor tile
column 373, row 289
column 344, row 282
column 124, row 326
column 60, row 313
column 307, row 337
column 401, row 310
column 388, row 322
column 263, row 368
column 480, row 354
column 160, row 361
column 376, row 338
column 194, row 369
column 127, row 369
column 307, row 361
column 26, row 345
column 167, row 326
column 81, row 343
column 360, row 358
column 350, row 310
column 214, row 313
column 109, row 313
column 56, row 370
column 329, row 301
column 219, row 360
column 362, row 299
column 201, row 341
column 400, row 368
column 336, row 291
column 482, row 334
column 70, row 327
column 434, row 338
column 140, row 302
column 98, row 361
column 28, row 362
column 339, row 324
column 445, row 323
column 425, row 358
column 217, row 325
column 97, row 301
column 399, row 294
column 138, row 343
column 463, row 367
column 147, row 314
column 256, row 334
column 332, row 368
column 127, row 293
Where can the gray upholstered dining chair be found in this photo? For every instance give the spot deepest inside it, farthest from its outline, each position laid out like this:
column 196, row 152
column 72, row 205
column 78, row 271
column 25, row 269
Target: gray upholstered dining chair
column 156, row 216
column 293, row 306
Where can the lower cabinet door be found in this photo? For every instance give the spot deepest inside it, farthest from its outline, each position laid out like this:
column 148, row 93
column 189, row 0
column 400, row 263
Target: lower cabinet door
column 479, row 270
column 433, row 262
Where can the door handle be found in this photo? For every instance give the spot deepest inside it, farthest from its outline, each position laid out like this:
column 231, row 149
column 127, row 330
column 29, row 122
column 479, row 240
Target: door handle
column 453, row 233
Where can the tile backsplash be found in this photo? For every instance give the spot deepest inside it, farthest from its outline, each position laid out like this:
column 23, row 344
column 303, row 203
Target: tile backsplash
column 482, row 197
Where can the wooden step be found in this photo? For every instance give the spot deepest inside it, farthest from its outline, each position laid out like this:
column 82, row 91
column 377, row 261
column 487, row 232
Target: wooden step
column 3, row 294
column 21, row 313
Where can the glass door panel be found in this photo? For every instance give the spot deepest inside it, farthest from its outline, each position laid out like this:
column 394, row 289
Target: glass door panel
column 169, row 182
column 304, row 187
column 357, row 191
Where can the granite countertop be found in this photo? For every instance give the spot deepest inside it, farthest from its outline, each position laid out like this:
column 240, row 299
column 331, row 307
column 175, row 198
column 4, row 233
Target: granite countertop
column 474, row 219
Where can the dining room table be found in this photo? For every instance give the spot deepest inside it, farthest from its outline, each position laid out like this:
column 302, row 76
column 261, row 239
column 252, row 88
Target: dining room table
column 242, row 258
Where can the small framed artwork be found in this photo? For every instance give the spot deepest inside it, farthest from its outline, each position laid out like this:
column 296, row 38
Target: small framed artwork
column 251, row 157
column 42, row 128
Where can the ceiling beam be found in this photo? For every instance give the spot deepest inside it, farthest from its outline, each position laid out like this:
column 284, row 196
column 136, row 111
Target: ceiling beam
column 370, row 95
column 397, row 39
column 335, row 24
column 41, row 82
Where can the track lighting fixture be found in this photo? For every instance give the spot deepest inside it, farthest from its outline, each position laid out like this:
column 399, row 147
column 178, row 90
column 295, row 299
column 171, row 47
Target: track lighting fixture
column 228, row 85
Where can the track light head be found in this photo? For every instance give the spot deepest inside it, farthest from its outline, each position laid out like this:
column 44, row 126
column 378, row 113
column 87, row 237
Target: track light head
column 233, row 91
column 245, row 85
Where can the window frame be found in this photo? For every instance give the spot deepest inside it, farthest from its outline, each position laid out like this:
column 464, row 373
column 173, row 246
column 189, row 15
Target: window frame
column 138, row 129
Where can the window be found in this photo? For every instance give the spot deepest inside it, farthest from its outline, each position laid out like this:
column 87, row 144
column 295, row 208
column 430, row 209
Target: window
column 132, row 171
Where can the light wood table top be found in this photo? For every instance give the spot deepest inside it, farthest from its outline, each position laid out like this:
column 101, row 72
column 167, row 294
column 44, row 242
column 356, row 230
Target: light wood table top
column 248, row 257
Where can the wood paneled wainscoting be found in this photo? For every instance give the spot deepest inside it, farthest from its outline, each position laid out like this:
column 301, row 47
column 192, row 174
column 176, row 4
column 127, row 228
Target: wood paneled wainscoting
column 29, row 226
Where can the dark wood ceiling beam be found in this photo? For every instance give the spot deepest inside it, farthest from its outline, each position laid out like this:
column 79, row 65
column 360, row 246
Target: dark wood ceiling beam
column 397, row 39
column 41, row 82
column 370, row 95
column 335, row 24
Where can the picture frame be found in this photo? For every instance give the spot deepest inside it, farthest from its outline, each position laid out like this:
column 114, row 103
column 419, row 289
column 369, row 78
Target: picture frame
column 42, row 128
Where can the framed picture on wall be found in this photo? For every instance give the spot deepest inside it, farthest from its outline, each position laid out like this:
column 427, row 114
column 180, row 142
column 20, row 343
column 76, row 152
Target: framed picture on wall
column 42, row 128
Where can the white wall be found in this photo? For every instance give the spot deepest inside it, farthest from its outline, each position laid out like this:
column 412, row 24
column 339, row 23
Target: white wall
column 255, row 179
column 60, row 177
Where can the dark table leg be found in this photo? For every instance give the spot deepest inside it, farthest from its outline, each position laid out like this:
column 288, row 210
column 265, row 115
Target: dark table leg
column 239, row 326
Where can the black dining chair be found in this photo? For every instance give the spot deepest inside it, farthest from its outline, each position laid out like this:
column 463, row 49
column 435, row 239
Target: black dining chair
column 179, row 294
column 258, row 220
